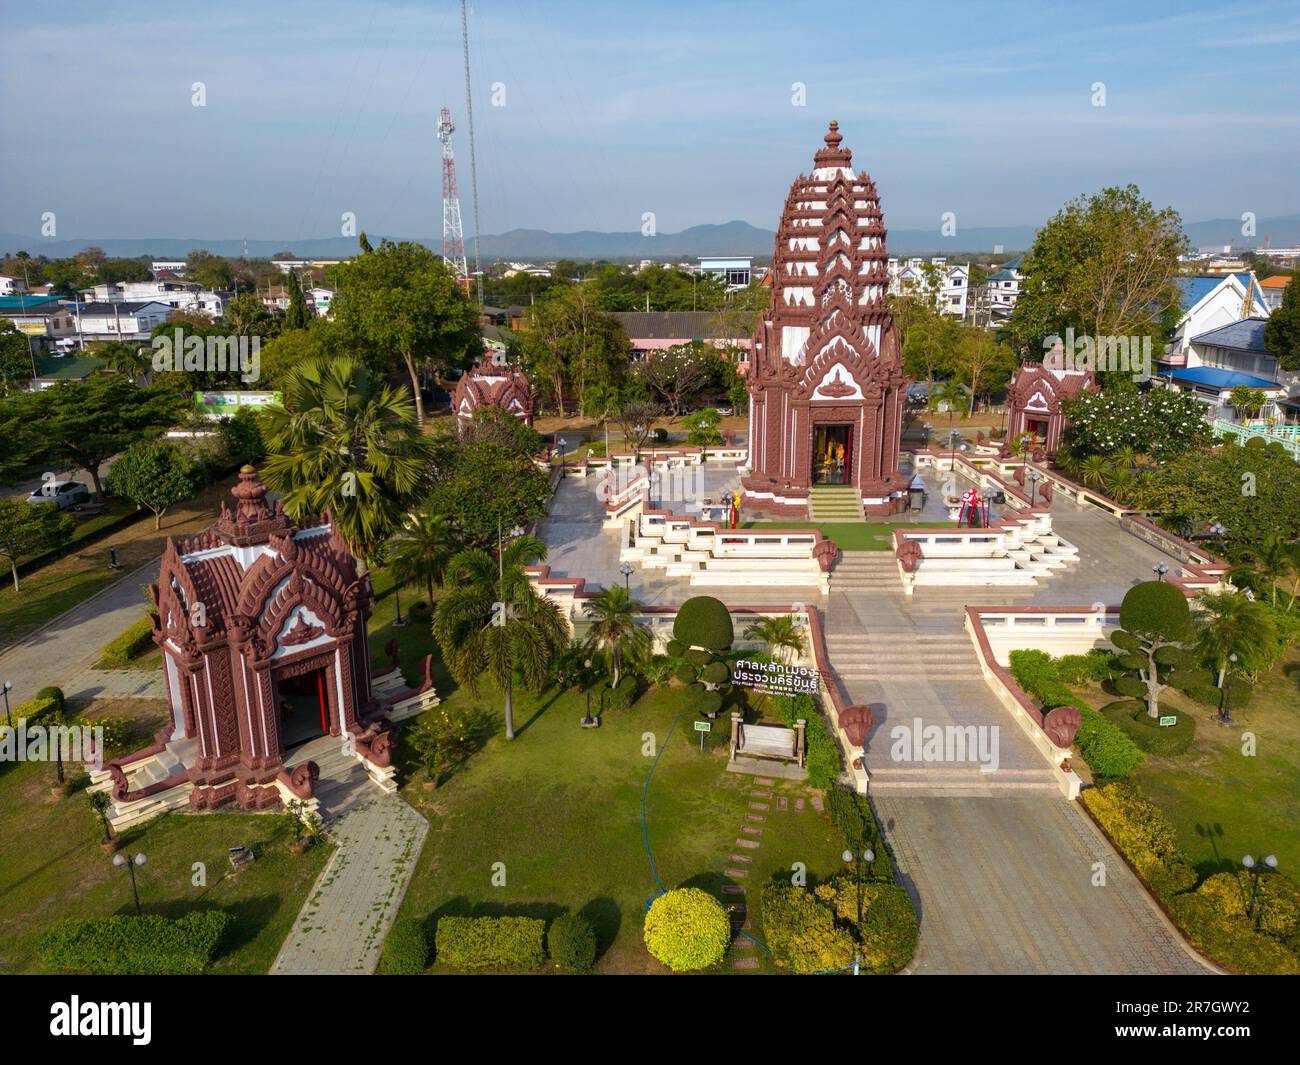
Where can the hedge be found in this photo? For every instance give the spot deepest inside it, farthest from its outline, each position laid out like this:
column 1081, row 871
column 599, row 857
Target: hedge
column 571, row 943
column 41, row 709
column 823, row 758
column 1103, row 745
column 1145, row 731
column 1143, row 835
column 514, row 943
column 851, row 814
column 1097, row 665
column 1229, row 940
column 406, row 949
column 145, row 945
column 889, row 928
column 801, row 931
column 134, row 641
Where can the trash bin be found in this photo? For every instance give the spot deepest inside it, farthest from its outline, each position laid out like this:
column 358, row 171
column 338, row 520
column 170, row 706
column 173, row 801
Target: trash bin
column 916, row 494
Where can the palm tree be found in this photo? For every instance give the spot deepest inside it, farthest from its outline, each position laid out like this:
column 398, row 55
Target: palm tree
column 422, row 549
column 491, row 618
column 781, row 634
column 1276, row 559
column 614, row 628
column 346, row 442
column 1230, row 623
column 1095, row 470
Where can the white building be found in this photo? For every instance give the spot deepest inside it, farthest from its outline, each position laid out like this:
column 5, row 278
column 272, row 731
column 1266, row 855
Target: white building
column 178, row 295
column 171, row 266
column 1209, row 302
column 734, row 271
column 321, row 299
column 1231, row 356
column 1273, row 287
column 120, row 320
column 949, row 284
column 11, row 286
column 1004, row 290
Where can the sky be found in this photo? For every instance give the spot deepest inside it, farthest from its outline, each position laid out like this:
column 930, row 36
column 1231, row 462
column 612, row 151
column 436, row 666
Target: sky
column 589, row 115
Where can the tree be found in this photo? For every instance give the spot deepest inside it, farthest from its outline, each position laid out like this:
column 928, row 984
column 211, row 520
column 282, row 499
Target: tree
column 677, row 374
column 295, row 347
column 1282, row 333
column 208, row 270
column 1105, row 265
column 1161, row 423
column 982, row 361
column 247, row 316
column 952, row 394
column 496, row 426
column 426, row 543
column 155, row 475
column 702, row 427
column 637, row 419
column 491, row 619
column 487, row 487
column 687, row 929
column 1231, row 624
column 570, row 340
column 87, row 422
column 1275, row 559
column 780, row 633
column 15, row 357
column 26, row 528
column 1248, row 401
column 614, row 629
column 347, row 443
column 1155, row 625
column 403, row 302
column 931, row 346
column 297, row 316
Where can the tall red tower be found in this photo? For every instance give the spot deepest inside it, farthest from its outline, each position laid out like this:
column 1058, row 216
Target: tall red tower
column 826, row 381
column 453, row 233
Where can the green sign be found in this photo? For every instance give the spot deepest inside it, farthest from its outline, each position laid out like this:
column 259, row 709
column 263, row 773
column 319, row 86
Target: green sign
column 1169, row 722
column 703, row 726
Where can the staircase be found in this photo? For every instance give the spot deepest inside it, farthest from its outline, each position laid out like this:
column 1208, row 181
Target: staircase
column 343, row 780
column 866, row 571
column 835, row 502
column 915, row 657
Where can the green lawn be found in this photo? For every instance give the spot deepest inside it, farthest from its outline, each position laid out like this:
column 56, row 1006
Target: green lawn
column 849, row 535
column 1226, row 804
column 68, row 875
column 560, row 807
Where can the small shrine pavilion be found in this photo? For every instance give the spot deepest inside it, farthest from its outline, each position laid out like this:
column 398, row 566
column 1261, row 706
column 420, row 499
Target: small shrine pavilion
column 1034, row 403
column 494, row 384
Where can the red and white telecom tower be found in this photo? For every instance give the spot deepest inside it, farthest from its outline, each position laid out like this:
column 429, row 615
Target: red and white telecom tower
column 453, row 235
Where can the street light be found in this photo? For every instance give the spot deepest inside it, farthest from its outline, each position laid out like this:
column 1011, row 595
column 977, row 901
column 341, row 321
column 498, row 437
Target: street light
column 637, row 430
column 1249, row 863
column 626, row 569
column 1225, row 718
column 867, row 856
column 953, row 436
column 1034, row 477
column 562, row 444
column 120, row 860
column 1160, row 570
column 7, row 689
column 587, row 721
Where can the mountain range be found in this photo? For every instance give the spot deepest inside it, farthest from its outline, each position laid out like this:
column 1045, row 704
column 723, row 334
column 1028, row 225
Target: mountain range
column 729, row 238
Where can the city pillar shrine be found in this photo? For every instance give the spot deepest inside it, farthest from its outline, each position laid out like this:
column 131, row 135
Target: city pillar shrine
column 826, row 382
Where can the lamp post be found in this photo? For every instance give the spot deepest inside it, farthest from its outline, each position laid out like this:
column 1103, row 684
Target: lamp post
column 587, row 721
column 7, row 689
column 953, row 436
column 626, row 569
column 561, row 443
column 130, row 863
column 868, row 856
column 1160, row 570
column 637, row 430
column 1034, row 476
column 1249, row 863
column 1225, row 718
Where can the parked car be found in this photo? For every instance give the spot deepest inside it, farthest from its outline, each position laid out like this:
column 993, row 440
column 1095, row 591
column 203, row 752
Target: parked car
column 62, row 494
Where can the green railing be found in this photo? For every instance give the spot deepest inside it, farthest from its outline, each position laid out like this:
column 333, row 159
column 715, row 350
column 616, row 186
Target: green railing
column 1286, row 435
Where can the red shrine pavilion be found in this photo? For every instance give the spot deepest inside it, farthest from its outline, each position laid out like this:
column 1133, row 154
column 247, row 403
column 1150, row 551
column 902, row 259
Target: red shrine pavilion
column 826, row 383
column 262, row 627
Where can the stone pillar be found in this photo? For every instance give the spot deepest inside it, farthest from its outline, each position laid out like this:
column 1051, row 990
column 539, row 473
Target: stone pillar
column 735, row 733
column 799, row 740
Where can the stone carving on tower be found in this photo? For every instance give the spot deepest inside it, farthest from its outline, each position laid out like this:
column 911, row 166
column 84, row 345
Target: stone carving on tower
column 826, row 382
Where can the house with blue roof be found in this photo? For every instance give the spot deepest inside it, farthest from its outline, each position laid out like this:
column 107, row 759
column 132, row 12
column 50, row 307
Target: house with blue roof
column 1208, row 302
column 1234, row 356
column 1004, row 290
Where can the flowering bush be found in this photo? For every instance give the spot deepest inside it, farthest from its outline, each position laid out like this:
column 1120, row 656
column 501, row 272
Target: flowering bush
column 1161, row 423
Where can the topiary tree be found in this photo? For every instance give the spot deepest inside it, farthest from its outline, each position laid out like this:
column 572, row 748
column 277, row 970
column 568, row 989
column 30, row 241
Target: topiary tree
column 571, row 943
column 687, row 929
column 701, row 630
column 406, row 949
column 1155, row 625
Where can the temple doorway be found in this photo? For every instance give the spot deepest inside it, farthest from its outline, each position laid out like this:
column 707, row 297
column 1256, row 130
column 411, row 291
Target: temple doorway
column 1037, row 426
column 832, row 454
column 304, row 709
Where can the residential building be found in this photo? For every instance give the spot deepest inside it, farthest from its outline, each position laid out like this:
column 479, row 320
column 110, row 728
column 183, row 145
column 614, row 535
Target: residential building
column 652, row 330
column 1273, row 287
column 1004, row 290
column 171, row 266
column 1227, row 357
column 321, row 299
column 1209, row 302
column 45, row 319
column 120, row 320
column 11, row 286
column 175, row 293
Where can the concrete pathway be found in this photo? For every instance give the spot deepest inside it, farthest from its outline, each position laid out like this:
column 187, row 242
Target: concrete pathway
column 62, row 650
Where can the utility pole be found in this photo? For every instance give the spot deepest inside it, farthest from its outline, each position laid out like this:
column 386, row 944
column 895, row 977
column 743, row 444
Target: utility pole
column 473, row 166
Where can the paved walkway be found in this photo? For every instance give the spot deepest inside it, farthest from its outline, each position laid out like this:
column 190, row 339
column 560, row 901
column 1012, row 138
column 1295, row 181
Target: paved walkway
column 62, row 651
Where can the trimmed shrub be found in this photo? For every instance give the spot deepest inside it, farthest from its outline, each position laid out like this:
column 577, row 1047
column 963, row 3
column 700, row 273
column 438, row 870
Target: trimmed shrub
column 852, row 815
column 134, row 641
column 1156, row 609
column 687, row 929
column 685, row 673
column 1097, row 665
column 703, row 621
column 406, row 949
column 801, row 931
column 622, row 695
column 698, row 701
column 1229, row 940
column 55, row 695
column 698, row 657
column 43, row 709
column 889, row 928
column 675, row 648
column 129, row 945
column 1277, row 900
column 513, row 943
column 823, row 758
column 1143, row 835
column 571, row 943
column 715, row 673
column 1145, row 731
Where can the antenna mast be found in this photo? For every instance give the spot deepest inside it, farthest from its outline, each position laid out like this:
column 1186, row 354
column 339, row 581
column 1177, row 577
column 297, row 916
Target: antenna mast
column 453, row 235
column 473, row 167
